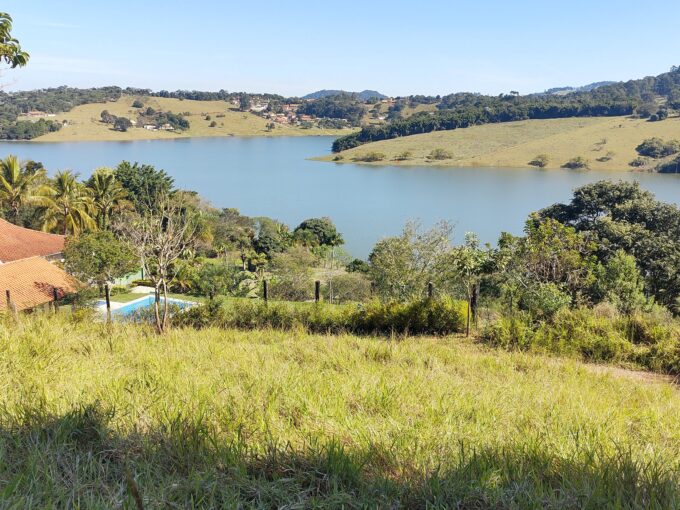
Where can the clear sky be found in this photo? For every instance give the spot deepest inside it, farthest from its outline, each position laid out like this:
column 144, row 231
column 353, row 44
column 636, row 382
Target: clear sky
column 294, row 47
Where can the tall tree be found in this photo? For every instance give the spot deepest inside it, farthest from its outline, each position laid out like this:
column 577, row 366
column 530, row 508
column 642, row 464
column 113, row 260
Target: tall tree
column 19, row 185
column 107, row 194
column 160, row 237
column 145, row 185
column 68, row 205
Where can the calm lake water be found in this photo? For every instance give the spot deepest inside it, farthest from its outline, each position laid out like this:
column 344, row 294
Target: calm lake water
column 272, row 177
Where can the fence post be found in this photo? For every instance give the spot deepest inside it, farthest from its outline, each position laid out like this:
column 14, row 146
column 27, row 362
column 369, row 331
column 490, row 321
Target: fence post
column 55, row 299
column 11, row 308
column 107, row 293
column 265, row 290
column 430, row 290
column 317, row 291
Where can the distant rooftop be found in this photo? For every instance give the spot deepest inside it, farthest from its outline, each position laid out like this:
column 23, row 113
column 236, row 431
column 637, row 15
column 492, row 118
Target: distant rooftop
column 18, row 243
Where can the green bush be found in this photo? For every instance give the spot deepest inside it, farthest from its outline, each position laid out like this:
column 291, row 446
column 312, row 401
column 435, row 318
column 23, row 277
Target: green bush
column 437, row 316
column 439, row 155
column 577, row 163
column 370, row 157
column 650, row 340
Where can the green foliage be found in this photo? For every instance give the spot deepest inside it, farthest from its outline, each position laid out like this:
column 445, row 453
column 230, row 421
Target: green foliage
column 541, row 161
column 122, row 124
column 10, row 49
column 429, row 316
column 20, row 185
column 402, row 267
column 577, row 163
column 648, row 340
column 657, row 148
column 342, row 106
column 403, row 156
column 620, row 283
column 292, row 274
column 137, row 104
column 318, row 232
column 99, row 257
column 271, row 236
column 639, row 162
column 439, row 154
column 358, row 266
column 221, row 279
column 143, row 183
column 621, row 216
column 350, row 287
column 369, row 157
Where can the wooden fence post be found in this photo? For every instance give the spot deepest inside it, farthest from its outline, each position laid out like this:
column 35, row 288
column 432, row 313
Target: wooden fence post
column 55, row 299
column 317, row 291
column 107, row 293
column 265, row 290
column 11, row 308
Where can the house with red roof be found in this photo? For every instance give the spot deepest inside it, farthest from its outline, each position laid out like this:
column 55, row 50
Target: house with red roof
column 28, row 275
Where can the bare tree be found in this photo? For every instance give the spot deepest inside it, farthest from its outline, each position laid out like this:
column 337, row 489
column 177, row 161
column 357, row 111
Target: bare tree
column 160, row 237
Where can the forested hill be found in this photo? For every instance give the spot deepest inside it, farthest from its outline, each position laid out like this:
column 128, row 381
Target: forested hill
column 650, row 97
column 364, row 95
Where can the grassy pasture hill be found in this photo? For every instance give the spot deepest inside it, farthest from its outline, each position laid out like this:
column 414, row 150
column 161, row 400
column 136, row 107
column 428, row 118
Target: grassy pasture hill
column 607, row 143
column 97, row 416
column 84, row 121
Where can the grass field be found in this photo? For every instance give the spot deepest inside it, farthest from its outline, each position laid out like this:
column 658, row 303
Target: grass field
column 84, row 122
column 115, row 417
column 514, row 144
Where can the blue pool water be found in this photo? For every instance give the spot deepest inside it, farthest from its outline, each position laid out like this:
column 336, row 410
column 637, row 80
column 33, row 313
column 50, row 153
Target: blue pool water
column 142, row 304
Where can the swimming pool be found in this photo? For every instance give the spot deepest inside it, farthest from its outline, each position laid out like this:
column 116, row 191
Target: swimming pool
column 141, row 306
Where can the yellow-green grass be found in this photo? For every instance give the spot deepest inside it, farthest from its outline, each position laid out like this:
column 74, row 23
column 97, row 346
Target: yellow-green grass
column 93, row 415
column 515, row 144
column 84, row 122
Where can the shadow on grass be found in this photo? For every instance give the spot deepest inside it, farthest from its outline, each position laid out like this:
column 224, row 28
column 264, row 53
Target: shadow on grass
column 77, row 460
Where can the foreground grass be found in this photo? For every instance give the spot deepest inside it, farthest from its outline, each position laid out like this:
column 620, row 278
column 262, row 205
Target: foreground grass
column 95, row 417
column 514, row 144
column 84, row 122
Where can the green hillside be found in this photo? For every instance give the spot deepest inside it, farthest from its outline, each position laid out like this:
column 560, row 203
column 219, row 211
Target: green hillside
column 103, row 417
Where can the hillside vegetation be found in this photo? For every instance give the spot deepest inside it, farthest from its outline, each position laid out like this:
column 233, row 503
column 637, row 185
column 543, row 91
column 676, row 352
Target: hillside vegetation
column 607, row 143
column 114, row 416
column 84, row 122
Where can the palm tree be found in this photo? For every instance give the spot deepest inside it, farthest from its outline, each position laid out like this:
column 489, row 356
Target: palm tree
column 107, row 195
column 68, row 205
column 19, row 185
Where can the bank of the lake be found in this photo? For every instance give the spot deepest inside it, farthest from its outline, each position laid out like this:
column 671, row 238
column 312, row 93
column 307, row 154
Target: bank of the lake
column 273, row 177
column 606, row 143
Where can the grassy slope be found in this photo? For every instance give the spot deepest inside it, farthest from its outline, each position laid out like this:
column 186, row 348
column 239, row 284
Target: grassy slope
column 514, row 144
column 212, row 418
column 84, row 122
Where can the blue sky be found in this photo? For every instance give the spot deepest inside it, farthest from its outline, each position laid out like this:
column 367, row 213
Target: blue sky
column 294, row 47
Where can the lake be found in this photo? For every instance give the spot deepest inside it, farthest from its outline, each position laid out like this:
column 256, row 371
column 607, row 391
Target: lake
column 273, row 177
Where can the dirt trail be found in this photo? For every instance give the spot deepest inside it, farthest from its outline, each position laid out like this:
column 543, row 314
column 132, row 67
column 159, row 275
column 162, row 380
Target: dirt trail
column 638, row 375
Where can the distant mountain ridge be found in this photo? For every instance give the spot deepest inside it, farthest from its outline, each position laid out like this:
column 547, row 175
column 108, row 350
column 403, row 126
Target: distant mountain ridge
column 364, row 95
column 585, row 88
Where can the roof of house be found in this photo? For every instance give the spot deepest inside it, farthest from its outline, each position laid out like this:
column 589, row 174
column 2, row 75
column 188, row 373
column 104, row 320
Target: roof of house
column 20, row 243
column 31, row 282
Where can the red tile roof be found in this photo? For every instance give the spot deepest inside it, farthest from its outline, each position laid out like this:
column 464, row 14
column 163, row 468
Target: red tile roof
column 18, row 243
column 31, row 282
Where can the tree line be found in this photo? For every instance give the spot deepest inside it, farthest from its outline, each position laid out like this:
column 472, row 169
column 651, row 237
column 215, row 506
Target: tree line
column 462, row 110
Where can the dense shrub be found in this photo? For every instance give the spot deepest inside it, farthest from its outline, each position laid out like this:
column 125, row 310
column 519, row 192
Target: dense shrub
column 437, row 316
column 576, row 163
column 369, row 157
column 650, row 340
column 657, row 148
column 541, row 161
